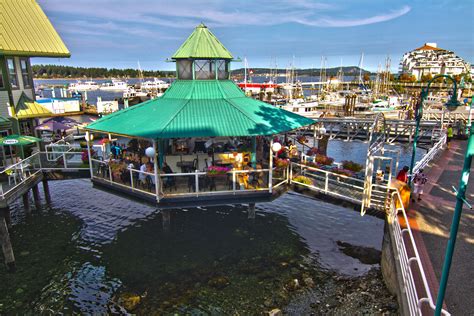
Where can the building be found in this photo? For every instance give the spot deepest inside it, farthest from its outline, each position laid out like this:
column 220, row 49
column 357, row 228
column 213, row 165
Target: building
column 430, row 59
column 25, row 32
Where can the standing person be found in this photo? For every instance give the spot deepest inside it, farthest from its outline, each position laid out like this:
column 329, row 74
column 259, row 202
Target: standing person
column 403, row 174
column 419, row 180
column 449, row 135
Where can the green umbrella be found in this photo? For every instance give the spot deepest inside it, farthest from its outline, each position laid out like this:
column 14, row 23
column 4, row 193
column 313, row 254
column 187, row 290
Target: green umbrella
column 18, row 140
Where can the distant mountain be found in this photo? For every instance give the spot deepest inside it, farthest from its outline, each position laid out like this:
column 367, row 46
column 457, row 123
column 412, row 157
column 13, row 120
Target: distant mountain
column 348, row 71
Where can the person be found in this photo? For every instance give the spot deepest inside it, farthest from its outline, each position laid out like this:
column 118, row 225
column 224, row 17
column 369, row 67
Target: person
column 449, row 135
column 142, row 175
column 419, row 181
column 115, row 150
column 169, row 181
column 293, row 152
column 403, row 174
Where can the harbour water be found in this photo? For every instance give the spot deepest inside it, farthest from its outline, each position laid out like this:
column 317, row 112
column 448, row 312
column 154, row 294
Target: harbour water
column 95, row 252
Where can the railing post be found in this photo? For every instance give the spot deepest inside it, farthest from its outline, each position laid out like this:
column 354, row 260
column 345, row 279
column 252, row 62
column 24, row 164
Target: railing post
column 270, row 173
column 110, row 172
column 131, row 178
column 290, row 173
column 326, row 183
column 64, row 160
column 196, row 181
column 89, row 154
column 233, row 181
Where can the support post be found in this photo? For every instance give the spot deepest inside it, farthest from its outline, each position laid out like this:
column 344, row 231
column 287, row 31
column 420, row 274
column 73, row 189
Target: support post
column 47, row 194
column 6, row 245
column 161, row 152
column 36, row 196
column 157, row 178
column 251, row 211
column 26, row 202
column 253, row 158
column 270, row 168
column 6, row 213
column 166, row 219
column 88, row 154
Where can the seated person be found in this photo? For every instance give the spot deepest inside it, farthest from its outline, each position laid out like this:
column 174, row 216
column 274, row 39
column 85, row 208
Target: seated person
column 168, row 181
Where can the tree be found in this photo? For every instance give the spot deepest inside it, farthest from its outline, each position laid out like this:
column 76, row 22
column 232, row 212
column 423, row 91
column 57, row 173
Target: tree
column 405, row 77
column 426, row 78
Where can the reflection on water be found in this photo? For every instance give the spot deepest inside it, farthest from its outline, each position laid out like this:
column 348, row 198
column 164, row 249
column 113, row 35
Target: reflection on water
column 212, row 260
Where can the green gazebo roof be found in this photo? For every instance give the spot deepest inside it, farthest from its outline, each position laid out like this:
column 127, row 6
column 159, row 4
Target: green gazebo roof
column 202, row 44
column 200, row 108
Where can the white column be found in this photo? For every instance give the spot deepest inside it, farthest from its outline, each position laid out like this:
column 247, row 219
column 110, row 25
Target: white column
column 89, row 154
column 157, row 179
column 270, row 168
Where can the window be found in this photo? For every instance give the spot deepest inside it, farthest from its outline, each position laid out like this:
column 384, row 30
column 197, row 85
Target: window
column 2, row 84
column 204, row 69
column 185, row 69
column 25, row 72
column 12, row 73
column 222, row 71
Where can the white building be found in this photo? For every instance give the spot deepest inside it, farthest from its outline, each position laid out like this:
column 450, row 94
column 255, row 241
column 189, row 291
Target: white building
column 429, row 59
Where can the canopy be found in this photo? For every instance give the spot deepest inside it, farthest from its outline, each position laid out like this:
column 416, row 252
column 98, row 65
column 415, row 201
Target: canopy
column 52, row 125
column 18, row 140
column 200, row 108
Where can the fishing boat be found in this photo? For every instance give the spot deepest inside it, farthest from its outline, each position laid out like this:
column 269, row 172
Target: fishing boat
column 302, row 107
column 256, row 88
column 83, row 86
column 115, row 85
column 131, row 92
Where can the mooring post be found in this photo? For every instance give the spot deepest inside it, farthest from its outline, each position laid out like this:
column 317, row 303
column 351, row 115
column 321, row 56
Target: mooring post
column 26, row 202
column 166, row 218
column 36, row 196
column 47, row 194
column 6, row 245
column 251, row 211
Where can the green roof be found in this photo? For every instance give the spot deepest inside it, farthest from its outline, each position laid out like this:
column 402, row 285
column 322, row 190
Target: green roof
column 5, row 123
column 200, row 108
column 26, row 31
column 202, row 44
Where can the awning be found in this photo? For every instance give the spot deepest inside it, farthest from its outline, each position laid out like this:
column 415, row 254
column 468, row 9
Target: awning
column 5, row 123
column 27, row 108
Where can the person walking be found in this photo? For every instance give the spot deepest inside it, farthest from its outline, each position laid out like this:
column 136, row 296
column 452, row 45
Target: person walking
column 449, row 135
column 419, row 181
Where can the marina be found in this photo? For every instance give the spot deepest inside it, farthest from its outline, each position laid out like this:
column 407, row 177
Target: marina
column 216, row 190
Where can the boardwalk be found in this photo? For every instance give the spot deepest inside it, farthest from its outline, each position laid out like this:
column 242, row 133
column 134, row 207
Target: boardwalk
column 433, row 218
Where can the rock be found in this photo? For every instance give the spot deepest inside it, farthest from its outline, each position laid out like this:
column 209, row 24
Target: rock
column 309, row 282
column 219, row 282
column 129, row 301
column 275, row 312
column 292, row 285
column 19, row 291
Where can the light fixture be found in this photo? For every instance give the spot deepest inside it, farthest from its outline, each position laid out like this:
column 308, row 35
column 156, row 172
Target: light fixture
column 150, row 152
column 276, row 147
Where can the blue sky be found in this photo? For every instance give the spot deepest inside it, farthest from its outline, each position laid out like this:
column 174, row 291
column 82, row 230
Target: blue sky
column 119, row 33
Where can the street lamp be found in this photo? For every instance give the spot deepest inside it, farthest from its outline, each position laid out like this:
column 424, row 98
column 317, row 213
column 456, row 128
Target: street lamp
column 452, row 104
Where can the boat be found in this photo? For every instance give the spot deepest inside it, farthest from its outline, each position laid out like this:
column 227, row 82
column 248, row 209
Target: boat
column 302, row 107
column 115, row 85
column 131, row 92
column 390, row 104
column 83, row 86
column 155, row 84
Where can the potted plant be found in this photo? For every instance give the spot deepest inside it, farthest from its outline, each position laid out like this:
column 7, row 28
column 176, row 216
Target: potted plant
column 213, row 171
column 352, row 166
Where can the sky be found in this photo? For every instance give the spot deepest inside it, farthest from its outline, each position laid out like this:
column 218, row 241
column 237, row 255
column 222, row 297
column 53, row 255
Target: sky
column 121, row 33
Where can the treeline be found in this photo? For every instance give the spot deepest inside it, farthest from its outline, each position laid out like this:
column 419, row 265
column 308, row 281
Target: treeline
column 347, row 70
column 57, row 71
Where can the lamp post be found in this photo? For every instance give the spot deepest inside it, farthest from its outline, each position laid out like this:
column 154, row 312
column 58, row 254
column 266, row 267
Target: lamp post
column 460, row 200
column 453, row 102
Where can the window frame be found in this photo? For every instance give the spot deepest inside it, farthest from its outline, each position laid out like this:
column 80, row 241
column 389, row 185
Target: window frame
column 3, row 82
column 27, row 84
column 17, row 86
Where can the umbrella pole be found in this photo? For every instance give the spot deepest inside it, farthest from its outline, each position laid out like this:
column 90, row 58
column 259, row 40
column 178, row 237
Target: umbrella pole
column 4, row 154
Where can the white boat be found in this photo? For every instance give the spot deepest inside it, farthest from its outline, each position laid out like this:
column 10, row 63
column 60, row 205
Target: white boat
column 83, row 86
column 155, row 84
column 115, row 85
column 302, row 107
column 391, row 104
column 131, row 93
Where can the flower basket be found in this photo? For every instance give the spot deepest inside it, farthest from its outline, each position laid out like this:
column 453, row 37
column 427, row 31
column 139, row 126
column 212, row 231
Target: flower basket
column 323, row 160
column 303, row 180
column 352, row 166
column 343, row 172
column 215, row 171
column 301, row 139
column 281, row 163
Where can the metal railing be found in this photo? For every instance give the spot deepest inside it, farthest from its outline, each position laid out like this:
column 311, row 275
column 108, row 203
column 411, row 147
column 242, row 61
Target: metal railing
column 431, row 154
column 405, row 243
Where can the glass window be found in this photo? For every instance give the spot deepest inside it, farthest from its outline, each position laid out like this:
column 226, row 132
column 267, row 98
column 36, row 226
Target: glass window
column 185, row 69
column 222, row 71
column 204, row 69
column 2, row 84
column 12, row 73
column 25, row 73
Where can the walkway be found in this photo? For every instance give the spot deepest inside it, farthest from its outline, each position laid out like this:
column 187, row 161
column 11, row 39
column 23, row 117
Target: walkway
column 433, row 218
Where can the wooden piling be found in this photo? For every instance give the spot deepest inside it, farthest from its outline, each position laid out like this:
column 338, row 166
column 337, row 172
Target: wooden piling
column 26, row 202
column 47, row 194
column 5, row 212
column 166, row 218
column 251, row 211
column 6, row 245
column 36, row 196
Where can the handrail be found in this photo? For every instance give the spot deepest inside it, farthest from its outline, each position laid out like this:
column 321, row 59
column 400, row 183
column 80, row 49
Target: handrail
column 414, row 301
column 428, row 157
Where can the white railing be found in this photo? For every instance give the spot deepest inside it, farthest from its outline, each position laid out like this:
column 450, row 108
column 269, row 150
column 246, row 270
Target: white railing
column 405, row 243
column 19, row 173
column 431, row 154
column 326, row 182
column 183, row 184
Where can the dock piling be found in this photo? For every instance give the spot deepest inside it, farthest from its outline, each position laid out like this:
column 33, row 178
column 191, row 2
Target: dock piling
column 251, row 211
column 26, row 202
column 47, row 194
column 166, row 218
column 36, row 196
column 5, row 212
column 6, row 245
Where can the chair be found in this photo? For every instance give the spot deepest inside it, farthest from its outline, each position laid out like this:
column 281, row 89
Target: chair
column 11, row 175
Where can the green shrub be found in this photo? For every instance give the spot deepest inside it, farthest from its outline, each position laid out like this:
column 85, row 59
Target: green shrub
column 303, row 180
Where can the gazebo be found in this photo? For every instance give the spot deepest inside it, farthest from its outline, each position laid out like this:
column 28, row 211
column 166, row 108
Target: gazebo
column 203, row 124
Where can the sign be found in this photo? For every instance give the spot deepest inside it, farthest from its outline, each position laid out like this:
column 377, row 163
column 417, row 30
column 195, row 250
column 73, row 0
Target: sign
column 10, row 141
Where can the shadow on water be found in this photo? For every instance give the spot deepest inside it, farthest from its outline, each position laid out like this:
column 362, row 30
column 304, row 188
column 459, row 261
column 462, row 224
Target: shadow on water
column 212, row 260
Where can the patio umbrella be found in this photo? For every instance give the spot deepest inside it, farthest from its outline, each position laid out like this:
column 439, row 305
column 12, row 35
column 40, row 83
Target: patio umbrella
column 18, row 140
column 63, row 120
column 52, row 126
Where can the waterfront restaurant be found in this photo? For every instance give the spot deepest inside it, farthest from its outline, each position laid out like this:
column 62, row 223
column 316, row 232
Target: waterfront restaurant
column 202, row 141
